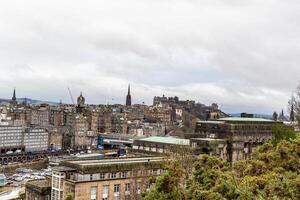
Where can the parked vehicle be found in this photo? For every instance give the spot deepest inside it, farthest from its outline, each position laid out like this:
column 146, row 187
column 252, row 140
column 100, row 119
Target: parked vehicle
column 18, row 151
column 9, row 152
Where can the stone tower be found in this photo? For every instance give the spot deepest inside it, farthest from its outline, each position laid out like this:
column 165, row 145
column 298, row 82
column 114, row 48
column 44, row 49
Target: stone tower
column 80, row 103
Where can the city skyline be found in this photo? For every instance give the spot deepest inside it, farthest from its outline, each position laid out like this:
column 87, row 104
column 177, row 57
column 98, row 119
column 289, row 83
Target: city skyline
column 231, row 53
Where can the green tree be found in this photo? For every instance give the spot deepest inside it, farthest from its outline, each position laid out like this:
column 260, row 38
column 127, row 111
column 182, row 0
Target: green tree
column 168, row 186
column 272, row 173
column 282, row 132
column 69, row 196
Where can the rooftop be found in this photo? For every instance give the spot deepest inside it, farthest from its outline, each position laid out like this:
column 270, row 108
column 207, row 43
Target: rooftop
column 38, row 183
column 41, row 186
column 209, row 139
column 117, row 164
column 166, row 140
column 211, row 122
column 244, row 119
column 63, row 169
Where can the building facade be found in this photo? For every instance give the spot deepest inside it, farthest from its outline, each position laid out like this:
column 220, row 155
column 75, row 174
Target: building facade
column 11, row 138
column 108, row 179
column 158, row 144
column 233, row 138
column 38, row 190
column 22, row 138
column 35, row 139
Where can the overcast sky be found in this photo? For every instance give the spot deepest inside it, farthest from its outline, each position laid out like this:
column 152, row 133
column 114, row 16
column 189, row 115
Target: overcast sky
column 242, row 54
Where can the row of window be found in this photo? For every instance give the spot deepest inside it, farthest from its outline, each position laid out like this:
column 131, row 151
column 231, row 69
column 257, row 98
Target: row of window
column 116, row 175
column 10, row 128
column 10, row 138
column 117, row 189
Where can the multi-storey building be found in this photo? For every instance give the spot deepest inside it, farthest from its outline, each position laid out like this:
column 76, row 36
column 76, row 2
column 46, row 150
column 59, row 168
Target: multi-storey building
column 11, row 138
column 14, row 138
column 160, row 113
column 107, row 179
column 56, row 117
column 82, row 137
column 40, row 116
column 35, row 139
column 233, row 138
column 105, row 120
column 139, row 128
column 38, row 190
column 157, row 144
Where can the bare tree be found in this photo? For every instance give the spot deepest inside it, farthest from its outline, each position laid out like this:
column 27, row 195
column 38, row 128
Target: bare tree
column 294, row 104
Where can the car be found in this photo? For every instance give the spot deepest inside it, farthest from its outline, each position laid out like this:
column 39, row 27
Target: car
column 18, row 151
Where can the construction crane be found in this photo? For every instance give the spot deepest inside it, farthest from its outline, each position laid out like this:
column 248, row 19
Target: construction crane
column 70, row 93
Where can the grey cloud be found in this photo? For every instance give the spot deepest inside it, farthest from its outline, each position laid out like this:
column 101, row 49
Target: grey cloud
column 241, row 54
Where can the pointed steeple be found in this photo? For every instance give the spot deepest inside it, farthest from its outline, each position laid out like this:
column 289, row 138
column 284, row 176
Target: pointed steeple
column 13, row 101
column 128, row 97
column 14, row 95
column 128, row 90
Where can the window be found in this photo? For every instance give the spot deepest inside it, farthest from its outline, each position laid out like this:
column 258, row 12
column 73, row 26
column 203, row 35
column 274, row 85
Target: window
column 117, row 188
column 102, row 176
column 138, row 187
column 93, row 193
column 113, row 175
column 105, row 192
column 127, row 187
column 194, row 145
column 105, row 189
column 124, row 174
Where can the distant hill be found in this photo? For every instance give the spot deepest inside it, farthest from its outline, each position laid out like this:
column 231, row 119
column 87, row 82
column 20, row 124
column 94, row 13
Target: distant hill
column 29, row 101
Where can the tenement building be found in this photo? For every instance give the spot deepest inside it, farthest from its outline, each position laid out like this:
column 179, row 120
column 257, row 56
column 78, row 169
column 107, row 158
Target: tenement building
column 232, row 138
column 107, row 179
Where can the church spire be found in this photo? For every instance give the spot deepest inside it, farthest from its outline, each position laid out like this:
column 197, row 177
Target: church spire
column 128, row 97
column 14, row 95
column 13, row 101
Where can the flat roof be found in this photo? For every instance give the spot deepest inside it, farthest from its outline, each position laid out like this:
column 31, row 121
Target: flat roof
column 115, row 161
column 117, row 164
column 166, row 140
column 39, row 183
column 211, row 122
column 209, row 139
column 245, row 119
column 63, row 169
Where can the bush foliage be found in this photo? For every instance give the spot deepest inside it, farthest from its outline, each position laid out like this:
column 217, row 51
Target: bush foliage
column 272, row 173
